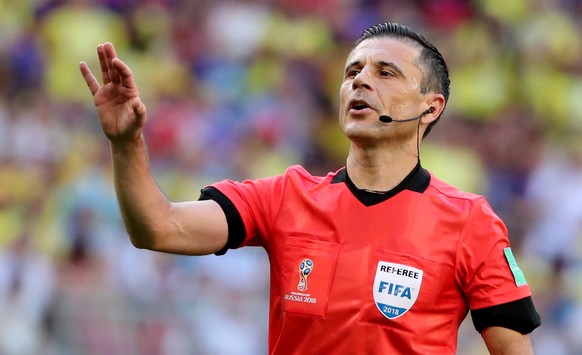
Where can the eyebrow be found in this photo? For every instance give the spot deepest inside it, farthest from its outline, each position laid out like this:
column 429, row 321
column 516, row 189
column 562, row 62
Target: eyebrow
column 392, row 66
column 379, row 64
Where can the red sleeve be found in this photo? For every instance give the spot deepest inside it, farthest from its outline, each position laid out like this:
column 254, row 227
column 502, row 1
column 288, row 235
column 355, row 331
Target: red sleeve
column 257, row 203
column 483, row 266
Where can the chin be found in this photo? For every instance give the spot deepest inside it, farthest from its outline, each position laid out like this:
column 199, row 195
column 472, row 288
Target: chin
column 361, row 134
column 359, row 127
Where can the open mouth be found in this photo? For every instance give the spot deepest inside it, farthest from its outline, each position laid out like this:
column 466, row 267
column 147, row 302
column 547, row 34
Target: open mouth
column 358, row 105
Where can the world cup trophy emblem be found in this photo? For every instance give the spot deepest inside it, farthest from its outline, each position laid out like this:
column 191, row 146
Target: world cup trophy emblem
column 305, row 268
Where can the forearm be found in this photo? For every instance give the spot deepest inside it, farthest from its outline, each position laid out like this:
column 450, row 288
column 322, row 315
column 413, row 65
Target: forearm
column 144, row 208
column 503, row 341
column 194, row 227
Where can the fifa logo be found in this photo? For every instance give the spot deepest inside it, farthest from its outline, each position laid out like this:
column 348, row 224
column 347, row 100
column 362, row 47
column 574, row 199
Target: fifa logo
column 305, row 268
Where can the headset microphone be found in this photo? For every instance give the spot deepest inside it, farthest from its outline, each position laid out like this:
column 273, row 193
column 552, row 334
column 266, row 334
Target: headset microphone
column 388, row 119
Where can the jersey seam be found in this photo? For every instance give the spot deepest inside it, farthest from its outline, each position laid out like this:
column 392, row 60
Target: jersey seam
column 471, row 197
column 460, row 243
column 498, row 296
column 277, row 210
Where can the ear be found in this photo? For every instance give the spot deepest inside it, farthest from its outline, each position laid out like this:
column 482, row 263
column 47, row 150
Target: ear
column 436, row 105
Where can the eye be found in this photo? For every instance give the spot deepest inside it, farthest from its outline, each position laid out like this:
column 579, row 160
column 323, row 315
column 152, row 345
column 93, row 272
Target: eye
column 352, row 73
column 385, row 73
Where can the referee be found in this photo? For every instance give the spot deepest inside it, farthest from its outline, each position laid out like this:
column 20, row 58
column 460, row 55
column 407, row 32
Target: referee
column 379, row 257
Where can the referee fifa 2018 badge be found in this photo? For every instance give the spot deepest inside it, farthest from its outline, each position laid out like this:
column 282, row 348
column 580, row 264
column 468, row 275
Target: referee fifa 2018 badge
column 396, row 288
column 518, row 275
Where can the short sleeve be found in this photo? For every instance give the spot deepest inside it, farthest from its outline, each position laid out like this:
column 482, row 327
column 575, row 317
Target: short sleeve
column 250, row 208
column 486, row 269
column 520, row 315
column 236, row 230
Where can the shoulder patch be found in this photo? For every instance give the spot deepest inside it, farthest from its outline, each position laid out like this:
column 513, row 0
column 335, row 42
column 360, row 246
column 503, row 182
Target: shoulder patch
column 518, row 275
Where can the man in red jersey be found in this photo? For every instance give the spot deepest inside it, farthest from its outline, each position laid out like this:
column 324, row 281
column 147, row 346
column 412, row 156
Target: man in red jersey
column 379, row 257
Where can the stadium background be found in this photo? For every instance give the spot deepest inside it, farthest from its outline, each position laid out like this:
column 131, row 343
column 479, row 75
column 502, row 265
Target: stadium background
column 241, row 90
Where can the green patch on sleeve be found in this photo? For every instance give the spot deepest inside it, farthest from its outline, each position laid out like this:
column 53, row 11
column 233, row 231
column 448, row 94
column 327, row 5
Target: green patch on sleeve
column 515, row 270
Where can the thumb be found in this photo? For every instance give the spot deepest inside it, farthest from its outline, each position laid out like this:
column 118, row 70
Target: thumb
column 139, row 109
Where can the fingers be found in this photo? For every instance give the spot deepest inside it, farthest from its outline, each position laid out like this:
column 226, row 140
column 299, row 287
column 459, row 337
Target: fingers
column 103, row 64
column 106, row 53
column 124, row 73
column 89, row 78
column 110, row 54
column 113, row 70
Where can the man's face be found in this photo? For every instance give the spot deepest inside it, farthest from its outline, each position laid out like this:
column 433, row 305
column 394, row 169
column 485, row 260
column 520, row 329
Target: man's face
column 381, row 77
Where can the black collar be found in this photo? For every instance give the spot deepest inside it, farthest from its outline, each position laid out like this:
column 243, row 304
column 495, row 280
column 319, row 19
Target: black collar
column 417, row 180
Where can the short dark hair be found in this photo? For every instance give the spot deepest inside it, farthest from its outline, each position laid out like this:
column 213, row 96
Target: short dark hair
column 435, row 71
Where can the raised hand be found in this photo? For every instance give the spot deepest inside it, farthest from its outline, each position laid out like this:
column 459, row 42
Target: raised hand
column 121, row 112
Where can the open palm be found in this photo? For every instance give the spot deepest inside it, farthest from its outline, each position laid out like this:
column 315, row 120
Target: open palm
column 121, row 113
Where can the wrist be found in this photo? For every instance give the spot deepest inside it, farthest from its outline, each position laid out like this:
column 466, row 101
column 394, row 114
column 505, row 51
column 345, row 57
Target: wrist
column 127, row 145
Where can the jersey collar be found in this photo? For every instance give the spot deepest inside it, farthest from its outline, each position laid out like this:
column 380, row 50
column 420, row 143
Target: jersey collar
column 417, row 180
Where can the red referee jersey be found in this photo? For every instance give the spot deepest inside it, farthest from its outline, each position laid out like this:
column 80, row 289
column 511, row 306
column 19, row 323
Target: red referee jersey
column 361, row 273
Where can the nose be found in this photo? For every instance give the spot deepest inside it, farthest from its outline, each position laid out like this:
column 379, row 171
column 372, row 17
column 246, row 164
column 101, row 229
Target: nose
column 362, row 80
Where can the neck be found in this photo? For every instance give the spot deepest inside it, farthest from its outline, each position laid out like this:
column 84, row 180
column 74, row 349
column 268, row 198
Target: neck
column 379, row 170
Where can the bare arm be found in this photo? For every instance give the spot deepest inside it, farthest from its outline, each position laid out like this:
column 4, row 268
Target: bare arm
column 153, row 222
column 504, row 341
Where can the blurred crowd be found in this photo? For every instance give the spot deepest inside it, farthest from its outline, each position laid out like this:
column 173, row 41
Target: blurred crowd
column 242, row 89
